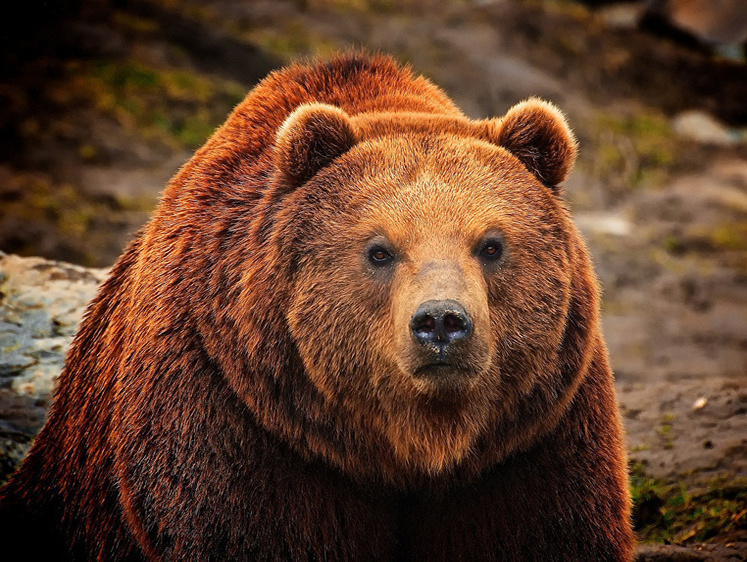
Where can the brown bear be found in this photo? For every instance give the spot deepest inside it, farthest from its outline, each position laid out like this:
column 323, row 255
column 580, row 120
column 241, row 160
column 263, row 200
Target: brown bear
column 359, row 326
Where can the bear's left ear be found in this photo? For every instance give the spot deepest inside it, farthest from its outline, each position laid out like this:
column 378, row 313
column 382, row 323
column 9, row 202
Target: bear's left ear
column 537, row 133
column 311, row 137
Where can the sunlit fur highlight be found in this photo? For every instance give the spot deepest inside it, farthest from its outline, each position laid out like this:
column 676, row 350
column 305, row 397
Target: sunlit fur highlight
column 243, row 387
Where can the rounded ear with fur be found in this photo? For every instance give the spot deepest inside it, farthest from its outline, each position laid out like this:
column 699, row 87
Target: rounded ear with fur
column 311, row 137
column 537, row 133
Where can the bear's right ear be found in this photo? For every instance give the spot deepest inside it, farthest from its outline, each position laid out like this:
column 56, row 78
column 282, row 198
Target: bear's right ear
column 311, row 137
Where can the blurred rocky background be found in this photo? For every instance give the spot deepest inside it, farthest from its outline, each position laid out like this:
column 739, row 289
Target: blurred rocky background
column 102, row 100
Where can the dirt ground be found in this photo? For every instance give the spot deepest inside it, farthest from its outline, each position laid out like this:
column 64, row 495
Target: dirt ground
column 106, row 101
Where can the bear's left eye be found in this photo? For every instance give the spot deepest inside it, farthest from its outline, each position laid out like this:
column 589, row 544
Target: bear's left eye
column 379, row 255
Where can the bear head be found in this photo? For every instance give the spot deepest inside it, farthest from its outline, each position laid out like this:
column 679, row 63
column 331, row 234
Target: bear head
column 418, row 286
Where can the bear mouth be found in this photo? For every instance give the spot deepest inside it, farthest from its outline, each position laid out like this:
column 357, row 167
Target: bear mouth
column 444, row 383
column 436, row 367
column 444, row 372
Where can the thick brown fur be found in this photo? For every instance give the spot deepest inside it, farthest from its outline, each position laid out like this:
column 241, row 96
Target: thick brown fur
column 246, row 387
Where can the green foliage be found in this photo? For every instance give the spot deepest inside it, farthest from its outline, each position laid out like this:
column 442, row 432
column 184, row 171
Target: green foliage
column 670, row 513
column 134, row 23
column 674, row 245
column 570, row 8
column 730, row 236
column 365, row 6
column 292, row 41
column 665, row 430
column 727, row 239
column 173, row 106
column 36, row 199
column 631, row 151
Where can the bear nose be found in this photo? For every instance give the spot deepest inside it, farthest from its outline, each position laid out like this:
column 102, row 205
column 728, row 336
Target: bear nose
column 440, row 323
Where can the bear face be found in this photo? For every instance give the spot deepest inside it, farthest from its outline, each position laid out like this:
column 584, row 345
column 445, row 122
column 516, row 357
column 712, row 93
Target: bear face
column 427, row 269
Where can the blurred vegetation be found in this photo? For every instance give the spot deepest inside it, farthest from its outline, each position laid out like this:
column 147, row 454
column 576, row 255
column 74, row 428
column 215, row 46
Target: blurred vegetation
column 665, row 429
column 726, row 239
column 107, row 85
column 669, row 513
column 633, row 151
column 174, row 106
column 36, row 200
column 290, row 40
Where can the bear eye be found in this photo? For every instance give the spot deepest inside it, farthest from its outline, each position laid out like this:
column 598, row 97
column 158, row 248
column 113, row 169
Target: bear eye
column 492, row 249
column 379, row 255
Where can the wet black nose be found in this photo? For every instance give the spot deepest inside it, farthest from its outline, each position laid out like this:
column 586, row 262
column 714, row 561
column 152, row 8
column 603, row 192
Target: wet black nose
column 440, row 324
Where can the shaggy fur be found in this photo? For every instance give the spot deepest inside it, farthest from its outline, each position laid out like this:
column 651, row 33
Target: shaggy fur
column 245, row 385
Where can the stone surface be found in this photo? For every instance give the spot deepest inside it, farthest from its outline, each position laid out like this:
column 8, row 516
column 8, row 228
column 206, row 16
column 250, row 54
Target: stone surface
column 704, row 128
column 41, row 305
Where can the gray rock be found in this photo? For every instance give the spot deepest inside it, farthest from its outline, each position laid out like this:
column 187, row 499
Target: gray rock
column 41, row 305
column 703, row 128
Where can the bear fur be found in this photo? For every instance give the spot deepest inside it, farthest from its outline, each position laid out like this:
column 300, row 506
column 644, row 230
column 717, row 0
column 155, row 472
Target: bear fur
column 247, row 384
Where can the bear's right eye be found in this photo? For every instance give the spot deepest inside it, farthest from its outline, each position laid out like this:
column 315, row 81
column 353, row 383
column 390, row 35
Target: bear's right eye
column 379, row 255
column 491, row 250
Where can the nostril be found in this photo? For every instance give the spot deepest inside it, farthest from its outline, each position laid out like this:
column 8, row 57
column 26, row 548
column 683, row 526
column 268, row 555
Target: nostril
column 423, row 323
column 454, row 323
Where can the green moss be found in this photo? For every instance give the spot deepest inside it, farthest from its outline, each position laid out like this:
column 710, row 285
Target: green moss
column 566, row 7
column 141, row 203
column 127, row 76
column 172, row 106
column 647, row 495
column 631, row 151
column 292, row 41
column 731, row 236
column 87, row 151
column 135, row 23
column 194, row 130
column 70, row 214
column 365, row 6
column 665, row 430
column 670, row 513
column 729, row 239
column 58, row 204
column 180, row 85
column 651, row 137
column 673, row 245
